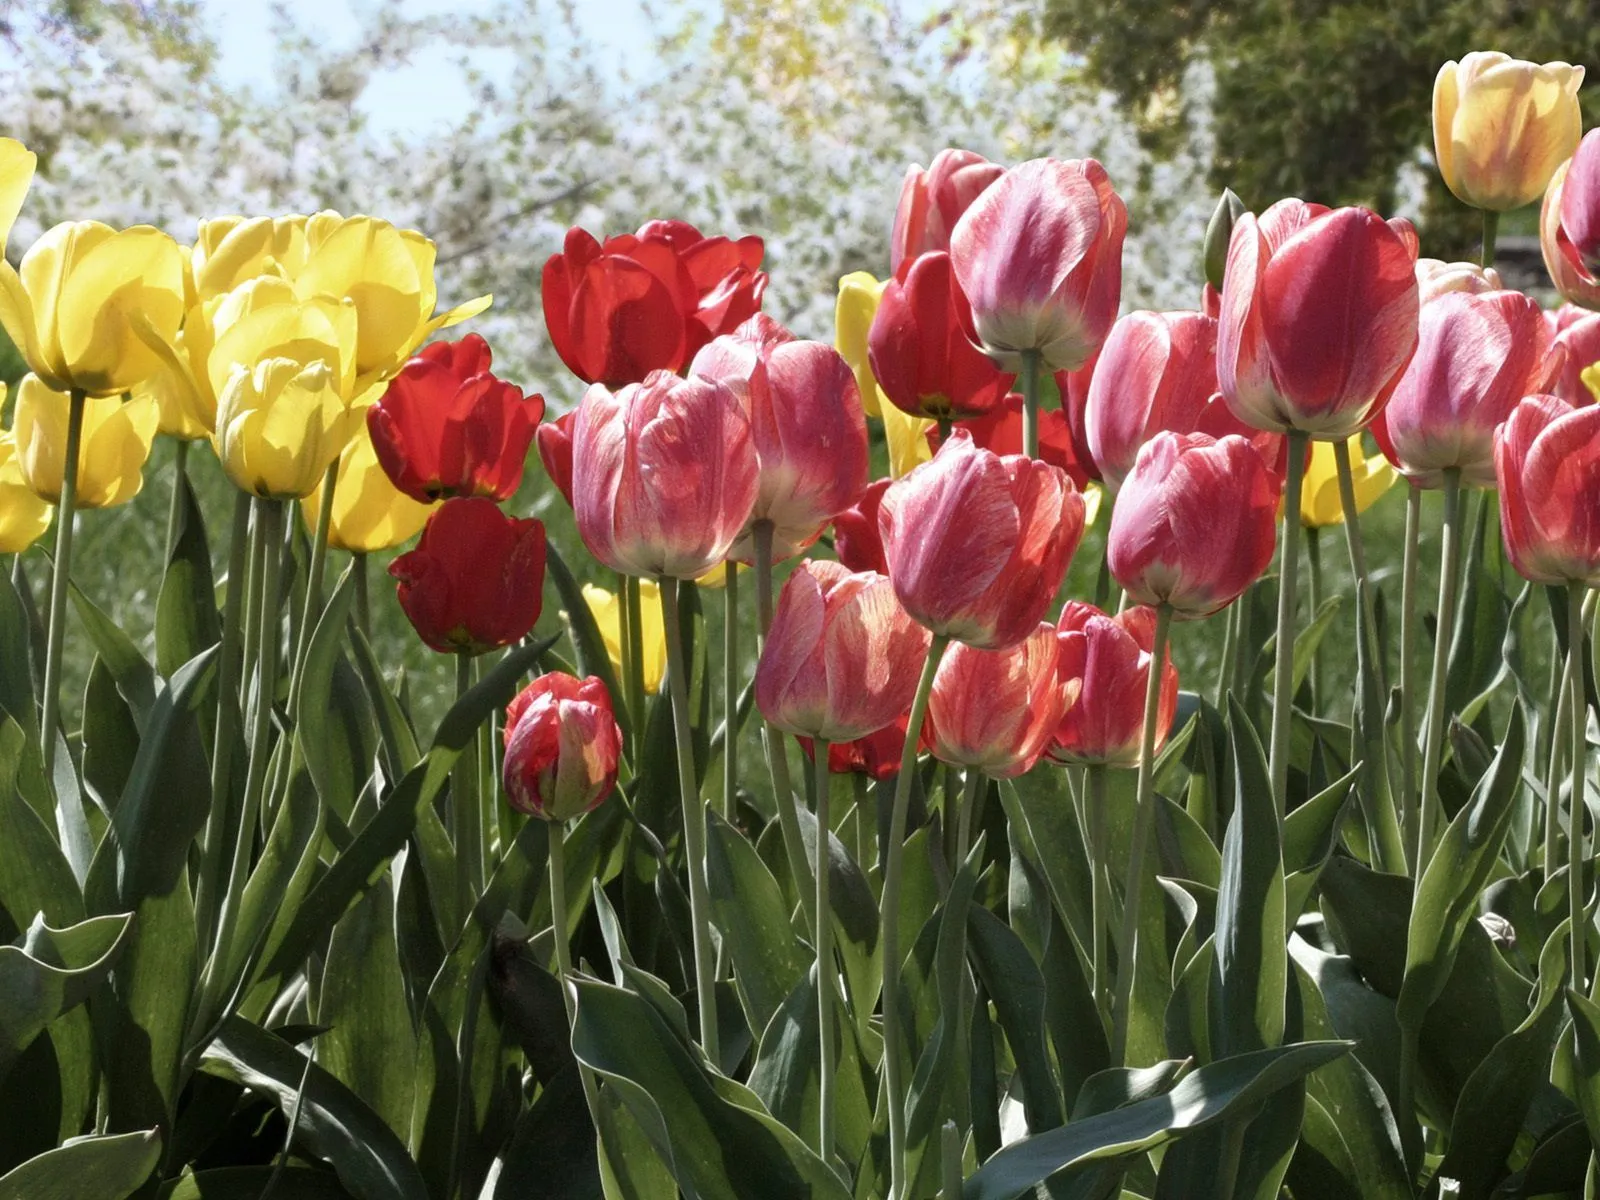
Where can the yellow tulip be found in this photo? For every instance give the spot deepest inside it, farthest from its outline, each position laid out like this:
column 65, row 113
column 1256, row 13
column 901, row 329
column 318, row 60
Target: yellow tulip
column 607, row 610
column 16, row 173
column 83, row 292
column 186, row 412
column 23, row 516
column 230, row 250
column 280, row 424
column 369, row 512
column 115, row 443
column 717, row 578
column 859, row 293
column 907, row 437
column 1319, row 495
column 1501, row 127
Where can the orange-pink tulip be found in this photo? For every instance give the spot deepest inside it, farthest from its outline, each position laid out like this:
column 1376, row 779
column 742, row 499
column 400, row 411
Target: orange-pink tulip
column 1108, row 659
column 1547, row 467
column 996, row 710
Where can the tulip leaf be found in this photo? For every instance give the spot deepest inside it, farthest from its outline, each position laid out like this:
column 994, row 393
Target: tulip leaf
column 110, row 737
column 186, row 607
column 17, row 697
column 1475, row 661
column 1586, row 1081
column 250, row 1183
column 1185, row 849
column 35, row 876
column 136, row 678
column 552, row 1150
column 90, row 1168
column 321, row 735
column 1015, row 983
column 1309, row 639
column 749, row 910
column 50, row 972
column 395, row 735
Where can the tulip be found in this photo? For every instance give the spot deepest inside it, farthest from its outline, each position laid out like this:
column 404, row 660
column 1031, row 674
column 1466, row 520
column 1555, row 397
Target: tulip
column 606, row 608
column 841, row 658
column 447, row 427
column 855, row 531
column 1577, row 345
column 23, row 516
column 1193, row 525
column 554, row 440
column 115, row 444
column 1436, row 278
column 228, row 251
column 726, row 274
column 977, row 544
column 1547, row 467
column 853, row 311
column 1108, row 659
column 920, row 346
column 75, row 306
column 280, row 426
column 1501, row 126
column 1580, row 207
column 933, row 200
column 1477, row 355
column 1576, row 283
column 1073, row 387
column 664, row 475
column 1319, row 494
column 562, row 747
column 475, row 582
column 996, row 710
column 877, row 755
column 806, row 422
column 185, row 413
column 17, row 165
column 369, row 512
column 1281, row 363
column 1002, row 432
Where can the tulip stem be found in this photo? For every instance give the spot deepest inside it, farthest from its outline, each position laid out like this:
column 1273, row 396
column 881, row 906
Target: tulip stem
column 783, row 797
column 1030, row 403
column 625, row 660
column 635, row 677
column 466, row 811
column 1100, row 875
column 694, row 824
column 889, row 935
column 1433, row 742
column 730, row 687
column 1409, row 808
column 180, row 475
column 363, row 603
column 558, row 920
column 1143, row 819
column 1558, row 746
column 1288, row 573
column 971, row 784
column 1491, row 228
column 1575, row 803
column 319, row 568
column 825, row 970
column 1314, row 559
column 1230, row 651
column 60, row 574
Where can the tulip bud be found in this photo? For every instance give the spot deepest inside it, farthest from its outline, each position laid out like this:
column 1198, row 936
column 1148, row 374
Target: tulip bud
column 24, row 517
column 842, row 658
column 114, row 445
column 1107, row 659
column 1501, row 126
column 369, row 513
column 1437, row 278
column 606, row 608
column 1219, row 231
column 977, row 545
column 562, row 747
column 996, row 710
column 1547, row 467
column 475, row 582
column 280, row 425
column 1194, row 523
column 554, row 439
column 932, row 201
column 1320, row 503
column 1576, row 348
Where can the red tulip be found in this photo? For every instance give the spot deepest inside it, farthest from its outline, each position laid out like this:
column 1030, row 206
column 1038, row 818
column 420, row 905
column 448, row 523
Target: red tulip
column 1193, row 524
column 726, row 272
column 806, row 419
column 1074, row 389
column 475, row 582
column 1577, row 283
column 447, row 427
column 1577, row 345
column 920, row 346
column 1039, row 256
column 664, row 474
column 977, row 545
column 876, row 755
column 997, row 710
column 1109, row 659
column 855, row 531
column 932, row 201
column 1578, row 238
column 562, row 747
column 1319, row 317
column 1477, row 355
column 842, row 658
column 1547, row 466
column 554, row 439
column 1001, row 432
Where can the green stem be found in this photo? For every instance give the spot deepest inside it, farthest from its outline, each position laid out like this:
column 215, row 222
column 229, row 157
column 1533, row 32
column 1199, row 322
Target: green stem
column 60, row 574
column 180, row 475
column 971, row 784
column 1288, row 573
column 825, row 970
column 558, row 918
column 1314, row 557
column 730, row 687
column 1410, row 808
column 1575, row 803
column 694, row 824
column 1143, row 819
column 1433, row 742
column 889, row 935
column 1491, row 227
column 319, row 568
column 466, row 812
column 635, row 677
column 1030, row 403
column 1231, row 623
column 363, row 604
column 625, row 665
column 1559, row 718
column 950, row 1161
column 1100, row 868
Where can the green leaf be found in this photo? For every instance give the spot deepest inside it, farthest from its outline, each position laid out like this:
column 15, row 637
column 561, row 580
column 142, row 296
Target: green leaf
column 136, row 678
column 395, row 734
column 250, row 1183
column 51, row 971
column 110, row 737
column 91, row 1168
column 1586, row 1033
column 186, row 608
column 552, row 1150
column 1185, row 849
column 338, row 775
column 1015, row 983
column 749, row 910
column 17, row 697
column 1310, row 638
column 35, row 876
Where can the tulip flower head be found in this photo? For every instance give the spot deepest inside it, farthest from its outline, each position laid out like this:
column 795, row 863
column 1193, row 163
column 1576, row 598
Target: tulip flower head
column 1501, row 126
column 1001, row 431
column 1577, row 344
column 1039, row 256
column 369, row 513
column 280, row 425
column 996, row 710
column 977, row 544
column 1577, row 284
column 606, row 608
column 933, row 200
column 841, row 658
column 1320, row 504
column 554, row 440
column 1547, row 467
column 446, row 426
column 1569, row 225
column 1194, row 523
column 1073, row 387
column 855, row 531
column 228, row 251
column 475, row 582
column 876, row 755
column 562, row 747
column 1436, row 277
column 24, row 517
column 1108, row 660
column 115, row 444
column 853, row 313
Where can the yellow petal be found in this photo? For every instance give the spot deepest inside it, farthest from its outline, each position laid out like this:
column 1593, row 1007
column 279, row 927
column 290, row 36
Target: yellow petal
column 1370, row 477
column 24, row 517
column 859, row 293
column 108, row 280
column 16, row 315
column 907, row 437
column 1591, row 379
column 17, row 164
column 369, row 512
column 607, row 611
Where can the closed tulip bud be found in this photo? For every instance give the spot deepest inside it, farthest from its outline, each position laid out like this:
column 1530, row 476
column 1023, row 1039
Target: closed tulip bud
column 1477, row 355
column 1547, row 467
column 1108, row 660
column 606, row 608
column 977, row 545
column 1576, row 348
column 76, row 306
column 997, row 710
column 475, row 581
column 932, row 201
column 1501, row 126
column 280, row 425
column 446, row 426
column 1219, row 232
column 115, row 443
column 855, row 531
column 1193, row 525
column 1436, row 278
column 1571, row 278
column 24, row 517
column 230, row 250
column 369, row 513
column 853, row 311
column 841, row 658
column 1039, row 256
column 17, row 165
column 806, row 422
column 1281, row 363
column 1320, row 504
column 920, row 346
column 876, row 755
column 554, row 439
column 562, row 747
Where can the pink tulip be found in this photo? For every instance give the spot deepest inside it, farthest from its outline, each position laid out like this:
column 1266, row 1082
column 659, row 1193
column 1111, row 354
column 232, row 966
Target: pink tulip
column 1108, row 659
column 1193, row 524
column 1039, row 256
column 1577, row 283
column 664, row 474
column 932, row 201
column 977, row 544
column 842, row 658
column 1577, row 346
column 997, row 710
column 1319, row 317
column 1579, row 237
column 1547, row 467
column 562, row 747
